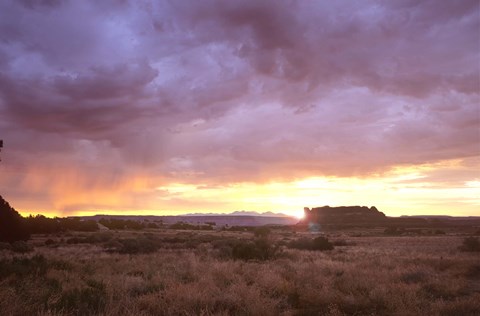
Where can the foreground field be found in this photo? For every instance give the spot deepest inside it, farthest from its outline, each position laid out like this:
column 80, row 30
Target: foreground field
column 194, row 273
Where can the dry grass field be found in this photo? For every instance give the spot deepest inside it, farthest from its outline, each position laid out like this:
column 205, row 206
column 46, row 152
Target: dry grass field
column 168, row 272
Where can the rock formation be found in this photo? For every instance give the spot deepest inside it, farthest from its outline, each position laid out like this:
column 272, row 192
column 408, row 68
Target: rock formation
column 344, row 215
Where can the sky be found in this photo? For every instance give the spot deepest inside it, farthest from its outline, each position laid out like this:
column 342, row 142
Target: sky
column 174, row 107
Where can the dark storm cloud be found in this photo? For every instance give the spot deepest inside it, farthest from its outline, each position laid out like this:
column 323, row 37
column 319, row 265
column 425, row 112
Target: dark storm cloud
column 99, row 100
column 238, row 90
column 375, row 46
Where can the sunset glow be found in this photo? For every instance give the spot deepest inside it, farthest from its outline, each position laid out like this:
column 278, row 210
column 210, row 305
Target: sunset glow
column 165, row 108
column 402, row 191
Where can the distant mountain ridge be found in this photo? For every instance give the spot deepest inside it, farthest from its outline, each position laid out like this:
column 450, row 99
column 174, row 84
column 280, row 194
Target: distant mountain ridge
column 326, row 216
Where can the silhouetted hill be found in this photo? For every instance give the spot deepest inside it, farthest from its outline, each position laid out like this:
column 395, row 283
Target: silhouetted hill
column 362, row 216
column 344, row 215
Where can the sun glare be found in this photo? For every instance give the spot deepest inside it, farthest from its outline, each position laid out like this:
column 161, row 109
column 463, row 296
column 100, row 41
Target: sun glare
column 299, row 215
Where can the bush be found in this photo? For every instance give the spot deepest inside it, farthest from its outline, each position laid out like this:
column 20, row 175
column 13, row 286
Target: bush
column 133, row 246
column 240, row 228
column 75, row 240
column 112, row 245
column 244, row 251
column 95, row 238
column 224, row 247
column 114, row 223
column 260, row 249
column 322, row 243
column 49, row 242
column 318, row 244
column 83, row 301
column 470, row 244
column 22, row 267
column 341, row 242
column 473, row 272
column 152, row 225
column 302, row 244
column 186, row 226
column 413, row 277
column 392, row 231
column 261, row 232
column 21, row 247
column 5, row 246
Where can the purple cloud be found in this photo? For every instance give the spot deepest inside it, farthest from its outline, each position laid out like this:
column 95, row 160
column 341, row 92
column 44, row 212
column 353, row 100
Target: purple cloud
column 217, row 91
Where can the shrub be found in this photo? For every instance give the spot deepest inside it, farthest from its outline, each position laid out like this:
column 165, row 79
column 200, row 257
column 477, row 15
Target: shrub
column 262, row 232
column 470, row 244
column 320, row 243
column 145, row 289
column 341, row 242
column 463, row 308
column 22, row 267
column 240, row 228
column 260, row 249
column 392, row 231
column 83, row 301
column 301, row 243
column 473, row 272
column 113, row 223
column 21, row 247
column 224, row 247
column 152, row 225
column 103, row 236
column 187, row 226
column 5, row 246
column 113, row 245
column 75, row 240
column 435, row 291
column 133, row 246
column 413, row 277
column 49, row 242
column 244, row 251
column 94, row 238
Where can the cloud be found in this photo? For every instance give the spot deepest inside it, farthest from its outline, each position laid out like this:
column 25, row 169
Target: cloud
column 223, row 92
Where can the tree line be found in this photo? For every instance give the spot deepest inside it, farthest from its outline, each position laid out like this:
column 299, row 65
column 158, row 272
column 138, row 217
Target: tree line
column 14, row 227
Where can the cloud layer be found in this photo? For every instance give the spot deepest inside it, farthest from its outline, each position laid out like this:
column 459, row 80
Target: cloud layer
column 97, row 94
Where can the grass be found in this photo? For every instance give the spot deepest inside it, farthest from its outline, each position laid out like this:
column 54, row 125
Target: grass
column 163, row 272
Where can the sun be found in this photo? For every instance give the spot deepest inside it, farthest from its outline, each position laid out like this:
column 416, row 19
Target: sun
column 299, row 214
